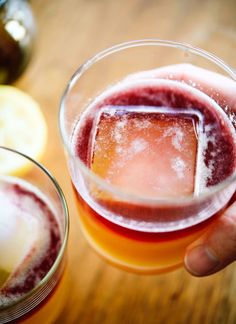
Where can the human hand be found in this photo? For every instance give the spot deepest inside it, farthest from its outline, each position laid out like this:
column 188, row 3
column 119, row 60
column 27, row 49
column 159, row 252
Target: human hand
column 217, row 247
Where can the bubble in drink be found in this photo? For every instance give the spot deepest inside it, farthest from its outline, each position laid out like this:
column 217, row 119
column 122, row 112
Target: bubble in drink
column 30, row 238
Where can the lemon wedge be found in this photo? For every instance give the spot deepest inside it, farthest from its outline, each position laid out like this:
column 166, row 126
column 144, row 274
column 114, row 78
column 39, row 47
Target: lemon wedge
column 22, row 128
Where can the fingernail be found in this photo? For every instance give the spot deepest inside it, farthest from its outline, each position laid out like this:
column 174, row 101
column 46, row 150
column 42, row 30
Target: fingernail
column 200, row 260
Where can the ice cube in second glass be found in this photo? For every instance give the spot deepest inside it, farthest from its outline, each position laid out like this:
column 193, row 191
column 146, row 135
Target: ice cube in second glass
column 18, row 231
column 148, row 151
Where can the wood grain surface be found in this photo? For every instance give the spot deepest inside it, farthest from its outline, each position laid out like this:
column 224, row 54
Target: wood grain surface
column 70, row 31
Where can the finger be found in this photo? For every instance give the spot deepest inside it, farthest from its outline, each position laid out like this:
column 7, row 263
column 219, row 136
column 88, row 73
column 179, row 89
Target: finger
column 219, row 87
column 216, row 249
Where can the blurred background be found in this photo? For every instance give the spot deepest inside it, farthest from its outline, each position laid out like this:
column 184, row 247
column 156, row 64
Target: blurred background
column 67, row 33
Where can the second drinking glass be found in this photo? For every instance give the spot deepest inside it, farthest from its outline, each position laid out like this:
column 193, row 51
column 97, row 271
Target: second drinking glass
column 34, row 228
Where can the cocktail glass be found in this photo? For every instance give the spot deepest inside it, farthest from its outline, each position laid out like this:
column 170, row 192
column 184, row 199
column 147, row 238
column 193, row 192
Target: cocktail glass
column 129, row 228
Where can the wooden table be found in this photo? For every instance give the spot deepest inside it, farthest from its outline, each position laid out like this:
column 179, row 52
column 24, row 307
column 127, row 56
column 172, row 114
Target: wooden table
column 70, row 31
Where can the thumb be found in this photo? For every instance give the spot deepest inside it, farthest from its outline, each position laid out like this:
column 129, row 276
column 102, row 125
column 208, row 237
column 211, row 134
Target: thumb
column 216, row 248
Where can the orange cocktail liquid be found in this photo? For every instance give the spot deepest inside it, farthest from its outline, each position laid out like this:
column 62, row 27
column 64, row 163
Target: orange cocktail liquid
column 153, row 141
column 50, row 309
column 135, row 251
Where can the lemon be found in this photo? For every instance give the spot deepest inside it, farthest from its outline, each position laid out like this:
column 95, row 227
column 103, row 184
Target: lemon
column 22, row 128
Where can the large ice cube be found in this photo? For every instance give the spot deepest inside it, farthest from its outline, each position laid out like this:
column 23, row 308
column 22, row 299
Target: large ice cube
column 18, row 232
column 149, row 151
